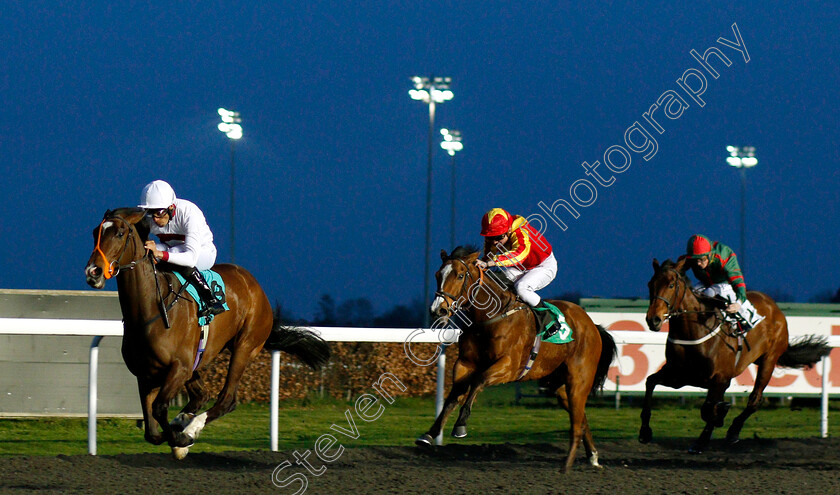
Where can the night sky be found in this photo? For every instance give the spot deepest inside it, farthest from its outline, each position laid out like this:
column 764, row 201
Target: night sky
column 100, row 98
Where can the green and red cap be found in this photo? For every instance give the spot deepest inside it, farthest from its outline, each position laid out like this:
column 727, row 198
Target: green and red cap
column 699, row 246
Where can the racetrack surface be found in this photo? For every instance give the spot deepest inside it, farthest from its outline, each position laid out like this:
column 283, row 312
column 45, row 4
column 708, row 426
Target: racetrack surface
column 789, row 466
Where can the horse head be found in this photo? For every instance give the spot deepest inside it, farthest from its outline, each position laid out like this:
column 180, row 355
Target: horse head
column 118, row 242
column 668, row 288
column 454, row 278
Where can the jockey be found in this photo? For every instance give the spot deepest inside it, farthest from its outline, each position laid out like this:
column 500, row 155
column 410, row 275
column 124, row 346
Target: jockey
column 186, row 242
column 716, row 268
column 522, row 253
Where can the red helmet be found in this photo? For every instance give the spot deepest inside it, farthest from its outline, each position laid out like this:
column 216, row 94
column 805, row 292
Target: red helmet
column 698, row 246
column 496, row 222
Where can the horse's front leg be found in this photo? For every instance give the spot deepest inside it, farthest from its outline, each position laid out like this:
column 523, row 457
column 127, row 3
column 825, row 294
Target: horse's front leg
column 713, row 412
column 498, row 372
column 645, row 432
column 147, row 396
column 462, row 373
column 175, row 379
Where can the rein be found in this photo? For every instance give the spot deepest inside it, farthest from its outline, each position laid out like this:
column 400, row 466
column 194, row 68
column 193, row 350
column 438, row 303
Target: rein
column 112, row 271
column 453, row 300
column 672, row 313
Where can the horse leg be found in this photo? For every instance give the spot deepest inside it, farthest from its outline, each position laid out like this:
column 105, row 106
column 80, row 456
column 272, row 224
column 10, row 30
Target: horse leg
column 763, row 376
column 577, row 391
column 461, row 374
column 147, row 396
column 645, row 432
column 713, row 412
column 496, row 373
column 588, row 443
column 226, row 400
column 198, row 398
column 175, row 379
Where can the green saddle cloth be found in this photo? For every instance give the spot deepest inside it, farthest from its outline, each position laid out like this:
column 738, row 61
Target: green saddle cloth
column 561, row 331
column 217, row 285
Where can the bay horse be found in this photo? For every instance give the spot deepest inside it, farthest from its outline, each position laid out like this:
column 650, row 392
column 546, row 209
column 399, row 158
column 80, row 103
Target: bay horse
column 161, row 332
column 495, row 348
column 705, row 351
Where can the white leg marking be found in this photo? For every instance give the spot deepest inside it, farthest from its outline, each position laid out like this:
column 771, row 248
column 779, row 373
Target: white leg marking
column 196, row 425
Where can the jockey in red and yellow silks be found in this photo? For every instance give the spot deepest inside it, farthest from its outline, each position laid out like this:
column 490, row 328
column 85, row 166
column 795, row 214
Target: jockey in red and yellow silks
column 523, row 254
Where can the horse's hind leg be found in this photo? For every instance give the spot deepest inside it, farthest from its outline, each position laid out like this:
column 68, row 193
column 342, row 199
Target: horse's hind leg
column 763, row 376
column 198, row 398
column 713, row 413
column 460, row 386
column 226, row 400
column 588, row 443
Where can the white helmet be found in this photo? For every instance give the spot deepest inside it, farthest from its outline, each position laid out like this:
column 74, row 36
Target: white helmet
column 157, row 194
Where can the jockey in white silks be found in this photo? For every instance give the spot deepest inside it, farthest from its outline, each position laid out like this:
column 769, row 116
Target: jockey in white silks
column 185, row 239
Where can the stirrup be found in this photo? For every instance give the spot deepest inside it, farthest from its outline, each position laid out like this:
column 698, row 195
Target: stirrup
column 214, row 308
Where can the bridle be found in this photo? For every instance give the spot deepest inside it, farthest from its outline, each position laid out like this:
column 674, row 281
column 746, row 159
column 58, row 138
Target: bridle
column 676, row 299
column 672, row 313
column 113, row 270
column 451, row 299
column 114, row 267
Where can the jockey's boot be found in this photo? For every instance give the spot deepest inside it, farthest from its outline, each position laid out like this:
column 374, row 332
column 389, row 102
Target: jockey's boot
column 212, row 306
column 547, row 319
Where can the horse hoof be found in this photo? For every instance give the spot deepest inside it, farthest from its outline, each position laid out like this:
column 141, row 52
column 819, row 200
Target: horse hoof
column 182, row 440
column 732, row 439
column 459, row 431
column 696, row 449
column 425, row 440
column 645, row 434
column 180, row 452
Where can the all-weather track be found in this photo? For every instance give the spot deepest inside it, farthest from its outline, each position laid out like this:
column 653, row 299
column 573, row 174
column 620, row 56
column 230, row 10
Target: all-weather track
column 752, row 466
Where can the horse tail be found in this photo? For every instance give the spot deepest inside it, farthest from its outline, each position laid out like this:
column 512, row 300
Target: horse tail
column 609, row 351
column 805, row 352
column 300, row 342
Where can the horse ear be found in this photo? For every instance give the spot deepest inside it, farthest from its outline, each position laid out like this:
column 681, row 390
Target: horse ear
column 443, row 255
column 655, row 265
column 471, row 258
column 681, row 266
column 134, row 215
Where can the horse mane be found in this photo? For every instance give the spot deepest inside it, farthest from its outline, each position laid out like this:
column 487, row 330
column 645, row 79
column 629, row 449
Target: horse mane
column 715, row 302
column 143, row 226
column 462, row 252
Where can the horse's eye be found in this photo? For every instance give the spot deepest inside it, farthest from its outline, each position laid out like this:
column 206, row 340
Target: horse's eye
column 120, row 233
column 460, row 276
column 671, row 286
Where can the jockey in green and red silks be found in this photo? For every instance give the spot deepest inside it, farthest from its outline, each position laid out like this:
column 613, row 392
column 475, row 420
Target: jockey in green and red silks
column 716, row 267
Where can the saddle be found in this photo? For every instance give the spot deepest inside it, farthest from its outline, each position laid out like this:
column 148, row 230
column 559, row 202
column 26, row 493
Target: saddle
column 217, row 286
column 551, row 324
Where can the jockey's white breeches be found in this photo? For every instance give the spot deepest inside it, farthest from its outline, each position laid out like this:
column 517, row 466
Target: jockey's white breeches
column 747, row 311
column 526, row 283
